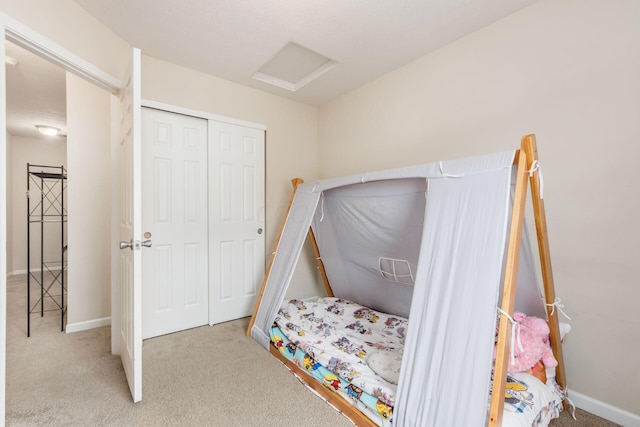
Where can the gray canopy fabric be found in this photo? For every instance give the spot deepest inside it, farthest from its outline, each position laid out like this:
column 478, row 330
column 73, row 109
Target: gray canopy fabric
column 425, row 242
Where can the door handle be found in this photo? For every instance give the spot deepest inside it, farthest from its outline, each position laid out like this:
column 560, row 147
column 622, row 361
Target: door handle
column 135, row 245
column 260, row 230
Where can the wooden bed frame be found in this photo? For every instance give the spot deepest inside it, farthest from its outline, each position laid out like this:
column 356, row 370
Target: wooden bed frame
column 525, row 158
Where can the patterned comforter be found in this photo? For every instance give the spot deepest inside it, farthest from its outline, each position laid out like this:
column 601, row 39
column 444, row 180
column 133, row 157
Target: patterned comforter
column 339, row 335
column 335, row 340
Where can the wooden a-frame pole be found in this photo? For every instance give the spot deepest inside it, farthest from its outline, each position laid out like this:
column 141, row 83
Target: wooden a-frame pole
column 531, row 148
column 508, row 293
column 323, row 272
column 526, row 158
column 295, row 182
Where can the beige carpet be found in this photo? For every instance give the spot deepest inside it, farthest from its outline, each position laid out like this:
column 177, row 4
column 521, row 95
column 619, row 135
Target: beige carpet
column 207, row 376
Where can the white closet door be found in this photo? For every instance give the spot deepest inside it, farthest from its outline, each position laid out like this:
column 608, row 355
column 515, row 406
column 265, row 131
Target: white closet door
column 236, row 225
column 174, row 200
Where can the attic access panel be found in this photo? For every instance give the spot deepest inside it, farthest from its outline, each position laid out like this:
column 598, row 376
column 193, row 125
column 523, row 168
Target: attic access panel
column 294, row 67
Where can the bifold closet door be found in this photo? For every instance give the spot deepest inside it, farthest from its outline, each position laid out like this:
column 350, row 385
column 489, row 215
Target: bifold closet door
column 236, row 219
column 174, row 219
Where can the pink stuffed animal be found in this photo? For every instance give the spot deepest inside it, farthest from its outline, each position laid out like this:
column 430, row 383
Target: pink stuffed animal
column 534, row 337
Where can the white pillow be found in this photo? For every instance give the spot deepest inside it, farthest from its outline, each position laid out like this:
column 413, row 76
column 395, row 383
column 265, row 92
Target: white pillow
column 386, row 364
column 565, row 328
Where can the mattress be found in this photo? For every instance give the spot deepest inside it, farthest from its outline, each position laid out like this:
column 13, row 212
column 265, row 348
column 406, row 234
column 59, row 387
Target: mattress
column 357, row 352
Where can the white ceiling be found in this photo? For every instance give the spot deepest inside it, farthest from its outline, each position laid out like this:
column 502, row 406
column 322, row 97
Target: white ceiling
column 36, row 94
column 233, row 39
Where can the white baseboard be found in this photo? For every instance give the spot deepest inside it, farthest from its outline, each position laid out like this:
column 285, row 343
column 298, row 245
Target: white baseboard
column 17, row 272
column 89, row 324
column 604, row 410
column 33, row 270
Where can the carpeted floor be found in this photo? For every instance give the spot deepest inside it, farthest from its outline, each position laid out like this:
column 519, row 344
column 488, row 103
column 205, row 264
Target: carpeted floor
column 189, row 379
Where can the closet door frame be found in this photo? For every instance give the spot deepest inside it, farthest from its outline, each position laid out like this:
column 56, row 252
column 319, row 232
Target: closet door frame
column 211, row 118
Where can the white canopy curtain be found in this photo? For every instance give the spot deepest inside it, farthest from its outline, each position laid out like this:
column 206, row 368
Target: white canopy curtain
column 460, row 244
column 446, row 367
column 284, row 263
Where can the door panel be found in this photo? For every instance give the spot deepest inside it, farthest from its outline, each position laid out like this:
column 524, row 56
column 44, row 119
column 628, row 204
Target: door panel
column 236, row 189
column 174, row 200
column 130, row 269
column 3, row 232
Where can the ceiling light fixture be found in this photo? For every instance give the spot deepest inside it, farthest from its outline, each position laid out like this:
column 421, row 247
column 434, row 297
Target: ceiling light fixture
column 48, row 130
column 10, row 61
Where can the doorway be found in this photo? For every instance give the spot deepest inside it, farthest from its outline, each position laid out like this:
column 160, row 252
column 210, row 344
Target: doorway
column 40, row 46
column 35, row 96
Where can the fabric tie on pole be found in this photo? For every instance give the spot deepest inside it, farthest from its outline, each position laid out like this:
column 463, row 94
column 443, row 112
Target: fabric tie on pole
column 573, row 407
column 535, row 166
column 321, row 206
column 515, row 336
column 557, row 303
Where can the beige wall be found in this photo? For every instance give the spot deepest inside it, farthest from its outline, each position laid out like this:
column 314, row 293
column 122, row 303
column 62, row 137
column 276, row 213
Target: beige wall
column 568, row 71
column 70, row 26
column 291, row 142
column 39, row 151
column 89, row 201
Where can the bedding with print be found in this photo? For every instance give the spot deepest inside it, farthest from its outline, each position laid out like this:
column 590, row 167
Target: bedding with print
column 357, row 352
column 341, row 335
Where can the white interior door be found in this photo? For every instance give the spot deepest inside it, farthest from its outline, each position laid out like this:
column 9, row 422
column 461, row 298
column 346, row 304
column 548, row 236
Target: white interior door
column 174, row 216
column 130, row 229
column 236, row 215
column 3, row 231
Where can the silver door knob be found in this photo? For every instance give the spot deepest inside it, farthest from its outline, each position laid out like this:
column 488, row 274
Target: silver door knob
column 259, row 230
column 125, row 245
column 146, row 243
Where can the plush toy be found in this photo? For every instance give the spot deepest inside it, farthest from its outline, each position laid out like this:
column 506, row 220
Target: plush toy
column 533, row 345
